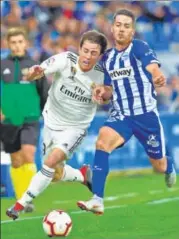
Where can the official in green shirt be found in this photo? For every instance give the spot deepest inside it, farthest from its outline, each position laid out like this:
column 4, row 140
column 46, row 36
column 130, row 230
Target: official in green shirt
column 21, row 106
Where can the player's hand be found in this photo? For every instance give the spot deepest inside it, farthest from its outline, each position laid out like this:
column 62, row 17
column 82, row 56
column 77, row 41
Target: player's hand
column 101, row 94
column 97, row 92
column 34, row 73
column 159, row 80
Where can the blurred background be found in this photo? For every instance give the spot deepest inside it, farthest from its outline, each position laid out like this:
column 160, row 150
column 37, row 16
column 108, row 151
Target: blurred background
column 56, row 26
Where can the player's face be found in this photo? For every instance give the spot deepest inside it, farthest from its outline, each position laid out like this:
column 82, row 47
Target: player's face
column 17, row 45
column 123, row 30
column 89, row 54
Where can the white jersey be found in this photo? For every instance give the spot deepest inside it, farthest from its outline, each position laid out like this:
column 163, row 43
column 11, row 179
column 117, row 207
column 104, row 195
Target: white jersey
column 69, row 103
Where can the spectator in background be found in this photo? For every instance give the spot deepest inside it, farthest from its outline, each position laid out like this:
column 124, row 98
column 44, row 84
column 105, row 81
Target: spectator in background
column 57, row 26
column 20, row 141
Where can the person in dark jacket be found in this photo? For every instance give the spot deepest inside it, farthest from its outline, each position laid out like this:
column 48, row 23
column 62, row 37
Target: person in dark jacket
column 21, row 105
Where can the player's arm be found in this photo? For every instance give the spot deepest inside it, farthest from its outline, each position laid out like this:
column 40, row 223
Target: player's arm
column 150, row 62
column 52, row 65
column 35, row 72
column 102, row 93
column 158, row 77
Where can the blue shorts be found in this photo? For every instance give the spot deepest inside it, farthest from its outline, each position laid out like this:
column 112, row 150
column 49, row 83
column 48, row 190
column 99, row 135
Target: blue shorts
column 147, row 128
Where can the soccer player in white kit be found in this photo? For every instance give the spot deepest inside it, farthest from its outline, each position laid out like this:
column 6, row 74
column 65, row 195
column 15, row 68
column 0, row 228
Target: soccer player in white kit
column 68, row 113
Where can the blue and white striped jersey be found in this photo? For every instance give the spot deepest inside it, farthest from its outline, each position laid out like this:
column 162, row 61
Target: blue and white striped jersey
column 133, row 89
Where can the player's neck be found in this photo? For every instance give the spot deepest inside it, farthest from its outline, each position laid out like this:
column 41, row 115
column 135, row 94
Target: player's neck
column 82, row 69
column 121, row 47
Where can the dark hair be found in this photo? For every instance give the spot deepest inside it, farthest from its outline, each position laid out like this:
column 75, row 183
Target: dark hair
column 124, row 12
column 95, row 37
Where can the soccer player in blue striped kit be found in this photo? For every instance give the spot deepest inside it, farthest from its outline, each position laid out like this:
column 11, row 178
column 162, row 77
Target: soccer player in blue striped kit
column 132, row 73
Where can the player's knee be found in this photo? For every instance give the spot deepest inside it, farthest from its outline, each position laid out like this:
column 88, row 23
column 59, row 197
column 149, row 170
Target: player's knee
column 28, row 153
column 102, row 145
column 28, row 157
column 55, row 157
column 16, row 161
column 160, row 165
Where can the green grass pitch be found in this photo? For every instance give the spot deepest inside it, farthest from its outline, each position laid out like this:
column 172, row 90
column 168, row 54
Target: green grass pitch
column 137, row 207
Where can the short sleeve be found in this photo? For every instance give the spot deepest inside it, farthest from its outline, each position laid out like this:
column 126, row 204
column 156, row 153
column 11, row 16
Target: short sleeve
column 55, row 63
column 145, row 54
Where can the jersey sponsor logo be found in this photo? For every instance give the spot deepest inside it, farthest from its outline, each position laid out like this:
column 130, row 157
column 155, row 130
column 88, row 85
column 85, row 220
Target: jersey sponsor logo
column 77, row 94
column 121, row 73
column 152, row 141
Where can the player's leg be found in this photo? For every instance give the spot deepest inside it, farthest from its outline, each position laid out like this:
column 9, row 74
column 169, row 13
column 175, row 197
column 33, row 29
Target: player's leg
column 165, row 165
column 10, row 136
column 65, row 172
column 29, row 138
column 58, row 145
column 112, row 135
column 163, row 162
column 16, row 172
column 55, row 152
column 69, row 142
column 151, row 135
column 41, row 180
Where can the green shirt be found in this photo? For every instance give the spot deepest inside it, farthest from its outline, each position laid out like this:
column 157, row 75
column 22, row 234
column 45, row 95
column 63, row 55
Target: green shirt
column 20, row 101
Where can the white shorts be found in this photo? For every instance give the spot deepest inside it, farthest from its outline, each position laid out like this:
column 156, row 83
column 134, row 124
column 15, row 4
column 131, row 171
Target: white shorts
column 67, row 139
